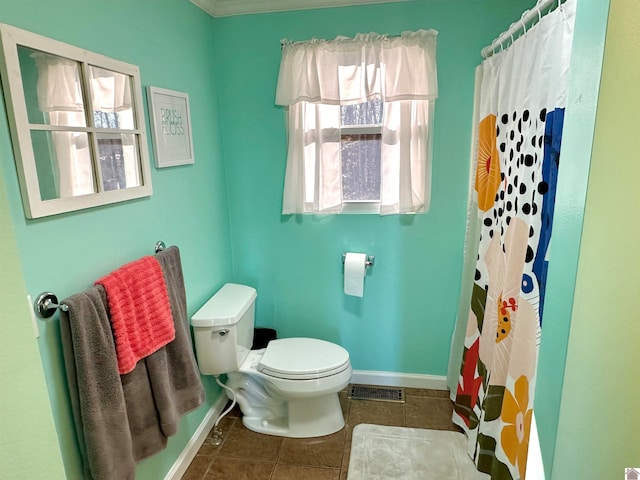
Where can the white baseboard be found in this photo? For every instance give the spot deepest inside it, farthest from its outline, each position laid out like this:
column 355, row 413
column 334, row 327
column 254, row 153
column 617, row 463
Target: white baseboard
column 191, row 449
column 394, row 379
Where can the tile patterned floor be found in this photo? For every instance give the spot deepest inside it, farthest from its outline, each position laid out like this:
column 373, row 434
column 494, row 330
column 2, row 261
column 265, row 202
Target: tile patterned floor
column 246, row 455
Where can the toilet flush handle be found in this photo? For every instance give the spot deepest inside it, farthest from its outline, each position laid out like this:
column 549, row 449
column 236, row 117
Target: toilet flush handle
column 222, row 332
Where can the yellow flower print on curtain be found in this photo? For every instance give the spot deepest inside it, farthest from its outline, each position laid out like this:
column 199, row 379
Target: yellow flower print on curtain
column 517, row 415
column 488, row 170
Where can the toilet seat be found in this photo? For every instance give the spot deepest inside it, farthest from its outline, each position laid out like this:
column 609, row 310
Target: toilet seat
column 303, row 359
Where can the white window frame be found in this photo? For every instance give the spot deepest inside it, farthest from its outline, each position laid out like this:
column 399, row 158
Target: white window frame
column 316, row 76
column 34, row 207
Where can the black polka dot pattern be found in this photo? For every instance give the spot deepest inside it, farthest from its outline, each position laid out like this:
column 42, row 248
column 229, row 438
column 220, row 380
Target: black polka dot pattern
column 520, row 141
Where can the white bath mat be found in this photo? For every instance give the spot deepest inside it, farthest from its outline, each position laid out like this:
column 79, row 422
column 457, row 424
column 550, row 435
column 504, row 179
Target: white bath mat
column 383, row 453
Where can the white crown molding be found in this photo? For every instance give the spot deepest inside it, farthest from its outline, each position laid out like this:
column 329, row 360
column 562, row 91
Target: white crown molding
column 227, row 8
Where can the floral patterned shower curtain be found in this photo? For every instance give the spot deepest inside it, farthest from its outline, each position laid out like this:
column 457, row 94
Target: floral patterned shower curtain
column 521, row 110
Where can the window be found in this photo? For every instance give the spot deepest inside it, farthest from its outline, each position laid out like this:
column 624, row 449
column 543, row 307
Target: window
column 359, row 115
column 360, row 151
column 77, row 125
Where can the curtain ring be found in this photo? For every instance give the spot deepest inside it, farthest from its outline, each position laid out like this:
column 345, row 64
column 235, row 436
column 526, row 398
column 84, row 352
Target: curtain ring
column 511, row 32
column 524, row 26
column 538, row 9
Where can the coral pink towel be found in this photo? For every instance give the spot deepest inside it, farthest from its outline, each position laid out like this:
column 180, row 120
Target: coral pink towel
column 139, row 310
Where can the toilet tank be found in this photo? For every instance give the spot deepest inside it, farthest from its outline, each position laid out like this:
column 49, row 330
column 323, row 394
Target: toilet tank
column 223, row 329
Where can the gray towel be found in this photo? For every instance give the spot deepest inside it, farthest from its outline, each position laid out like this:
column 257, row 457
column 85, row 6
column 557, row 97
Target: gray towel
column 173, row 371
column 97, row 394
column 122, row 419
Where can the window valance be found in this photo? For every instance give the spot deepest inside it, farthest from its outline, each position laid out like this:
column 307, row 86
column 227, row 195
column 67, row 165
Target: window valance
column 353, row 70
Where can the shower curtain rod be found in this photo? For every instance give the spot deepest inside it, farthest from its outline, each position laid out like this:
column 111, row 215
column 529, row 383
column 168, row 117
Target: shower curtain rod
column 520, row 25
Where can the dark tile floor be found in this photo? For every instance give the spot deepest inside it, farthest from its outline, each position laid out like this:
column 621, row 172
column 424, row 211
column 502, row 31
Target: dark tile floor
column 246, row 455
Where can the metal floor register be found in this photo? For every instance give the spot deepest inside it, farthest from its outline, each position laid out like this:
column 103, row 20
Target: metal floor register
column 374, row 392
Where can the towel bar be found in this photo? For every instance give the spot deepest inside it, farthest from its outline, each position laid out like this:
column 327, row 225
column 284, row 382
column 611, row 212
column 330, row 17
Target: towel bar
column 46, row 303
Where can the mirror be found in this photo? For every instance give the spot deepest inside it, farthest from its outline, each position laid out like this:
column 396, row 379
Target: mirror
column 77, row 125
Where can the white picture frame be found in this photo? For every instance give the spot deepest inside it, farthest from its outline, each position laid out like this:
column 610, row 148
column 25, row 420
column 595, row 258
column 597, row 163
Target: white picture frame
column 171, row 127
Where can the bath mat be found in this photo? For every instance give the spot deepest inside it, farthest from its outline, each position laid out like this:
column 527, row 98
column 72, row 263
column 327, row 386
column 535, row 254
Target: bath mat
column 382, row 453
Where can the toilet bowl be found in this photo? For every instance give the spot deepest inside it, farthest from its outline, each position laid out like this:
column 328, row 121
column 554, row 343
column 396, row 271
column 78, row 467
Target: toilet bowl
column 290, row 388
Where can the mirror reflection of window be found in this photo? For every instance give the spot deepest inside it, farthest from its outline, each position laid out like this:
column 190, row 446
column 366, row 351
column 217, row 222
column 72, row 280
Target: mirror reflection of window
column 63, row 158
column 53, row 93
column 112, row 109
column 77, row 124
column 111, row 98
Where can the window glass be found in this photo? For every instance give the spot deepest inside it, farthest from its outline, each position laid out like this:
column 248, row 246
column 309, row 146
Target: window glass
column 367, row 113
column 52, row 89
column 111, row 98
column 118, row 161
column 361, row 150
column 361, row 167
column 63, row 164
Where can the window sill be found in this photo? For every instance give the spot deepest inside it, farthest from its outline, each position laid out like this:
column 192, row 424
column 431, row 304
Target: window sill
column 359, row 208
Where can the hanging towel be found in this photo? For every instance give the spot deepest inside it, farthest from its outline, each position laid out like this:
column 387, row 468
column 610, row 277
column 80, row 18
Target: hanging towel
column 139, row 310
column 173, row 371
column 116, row 421
column 122, row 419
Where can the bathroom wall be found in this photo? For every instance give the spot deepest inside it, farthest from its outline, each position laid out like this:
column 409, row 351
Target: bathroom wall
column 171, row 42
column 575, row 158
column 599, row 414
column 21, row 376
column 405, row 320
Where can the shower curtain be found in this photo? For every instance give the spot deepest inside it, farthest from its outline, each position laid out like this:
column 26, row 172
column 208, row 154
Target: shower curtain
column 522, row 95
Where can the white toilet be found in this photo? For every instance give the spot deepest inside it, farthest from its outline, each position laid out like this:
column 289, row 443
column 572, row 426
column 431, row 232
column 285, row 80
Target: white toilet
column 288, row 389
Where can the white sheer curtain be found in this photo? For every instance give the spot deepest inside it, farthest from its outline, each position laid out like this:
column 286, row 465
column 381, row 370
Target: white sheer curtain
column 60, row 97
column 318, row 76
column 111, row 92
column 59, row 90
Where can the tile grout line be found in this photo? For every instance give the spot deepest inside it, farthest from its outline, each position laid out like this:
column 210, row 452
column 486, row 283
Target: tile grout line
column 216, row 455
column 346, row 434
column 275, row 464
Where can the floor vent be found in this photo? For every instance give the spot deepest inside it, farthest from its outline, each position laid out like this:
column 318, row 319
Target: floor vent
column 371, row 392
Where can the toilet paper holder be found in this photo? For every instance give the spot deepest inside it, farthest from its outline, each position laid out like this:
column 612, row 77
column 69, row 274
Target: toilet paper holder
column 368, row 263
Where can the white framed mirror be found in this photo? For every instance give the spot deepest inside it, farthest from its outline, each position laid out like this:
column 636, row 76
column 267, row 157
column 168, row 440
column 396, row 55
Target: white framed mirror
column 77, row 124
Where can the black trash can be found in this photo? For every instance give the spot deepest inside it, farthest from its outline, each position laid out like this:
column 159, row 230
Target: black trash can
column 262, row 336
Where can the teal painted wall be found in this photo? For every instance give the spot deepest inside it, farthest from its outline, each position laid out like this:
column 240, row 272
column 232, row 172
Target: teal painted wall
column 575, row 157
column 171, row 42
column 405, row 320
column 600, row 391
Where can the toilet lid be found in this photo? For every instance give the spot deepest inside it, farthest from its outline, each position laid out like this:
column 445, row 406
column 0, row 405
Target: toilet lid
column 303, row 358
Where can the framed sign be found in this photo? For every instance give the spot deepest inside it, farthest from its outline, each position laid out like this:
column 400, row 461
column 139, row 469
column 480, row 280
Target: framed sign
column 171, row 126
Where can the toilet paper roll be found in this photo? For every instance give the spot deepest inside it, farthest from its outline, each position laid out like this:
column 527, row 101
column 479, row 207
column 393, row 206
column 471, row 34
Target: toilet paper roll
column 354, row 272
